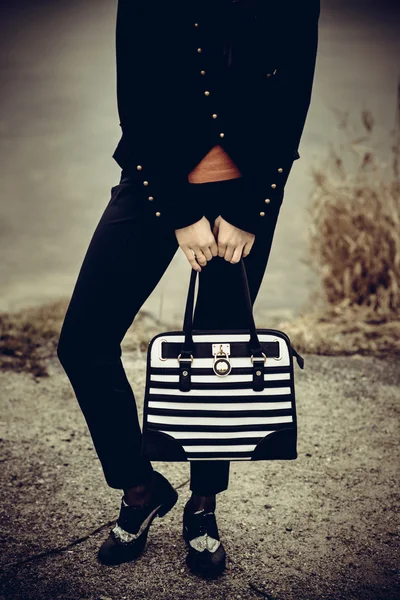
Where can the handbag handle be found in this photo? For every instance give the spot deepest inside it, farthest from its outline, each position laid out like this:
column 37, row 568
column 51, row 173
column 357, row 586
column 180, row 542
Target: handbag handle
column 254, row 343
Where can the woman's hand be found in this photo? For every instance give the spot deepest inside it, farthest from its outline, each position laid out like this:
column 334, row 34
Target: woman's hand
column 233, row 243
column 199, row 238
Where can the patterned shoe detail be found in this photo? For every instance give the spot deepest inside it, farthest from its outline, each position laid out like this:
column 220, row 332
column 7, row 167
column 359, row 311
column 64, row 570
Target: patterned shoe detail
column 205, row 541
column 126, row 537
column 206, row 553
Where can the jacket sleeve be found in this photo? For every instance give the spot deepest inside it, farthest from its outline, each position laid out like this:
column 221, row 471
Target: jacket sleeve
column 285, row 114
column 148, row 108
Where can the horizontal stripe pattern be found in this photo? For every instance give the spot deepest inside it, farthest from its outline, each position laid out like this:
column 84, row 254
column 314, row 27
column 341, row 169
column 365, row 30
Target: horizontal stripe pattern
column 214, row 448
column 219, row 418
column 196, row 370
column 220, row 386
column 221, row 455
column 217, row 338
column 216, row 457
column 185, row 437
column 214, row 427
column 215, row 406
column 216, row 414
column 248, row 392
column 215, row 379
column 157, row 359
column 223, row 399
column 236, row 361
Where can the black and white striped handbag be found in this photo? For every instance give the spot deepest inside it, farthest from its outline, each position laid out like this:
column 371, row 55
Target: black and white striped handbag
column 220, row 394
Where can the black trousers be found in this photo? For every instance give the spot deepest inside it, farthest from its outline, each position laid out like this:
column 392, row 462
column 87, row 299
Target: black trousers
column 127, row 256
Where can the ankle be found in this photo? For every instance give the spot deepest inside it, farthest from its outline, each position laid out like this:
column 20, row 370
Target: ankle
column 139, row 494
column 197, row 502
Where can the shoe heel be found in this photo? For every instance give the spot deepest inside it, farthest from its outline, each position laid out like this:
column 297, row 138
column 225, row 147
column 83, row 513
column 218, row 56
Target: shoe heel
column 168, row 504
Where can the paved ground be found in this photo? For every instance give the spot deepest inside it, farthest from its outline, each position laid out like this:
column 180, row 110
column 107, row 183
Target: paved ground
column 59, row 127
column 323, row 527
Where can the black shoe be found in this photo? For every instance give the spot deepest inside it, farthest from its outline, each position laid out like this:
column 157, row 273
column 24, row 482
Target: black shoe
column 206, row 554
column 127, row 539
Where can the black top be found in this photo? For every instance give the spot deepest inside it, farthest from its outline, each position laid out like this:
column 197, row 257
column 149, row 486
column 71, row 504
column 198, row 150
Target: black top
column 195, row 74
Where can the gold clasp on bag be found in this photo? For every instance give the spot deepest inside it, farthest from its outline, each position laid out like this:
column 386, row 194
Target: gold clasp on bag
column 191, row 358
column 252, row 358
column 221, row 366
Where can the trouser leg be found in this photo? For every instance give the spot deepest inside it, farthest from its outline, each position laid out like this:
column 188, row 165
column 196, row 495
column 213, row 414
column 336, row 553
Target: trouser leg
column 123, row 264
column 219, row 305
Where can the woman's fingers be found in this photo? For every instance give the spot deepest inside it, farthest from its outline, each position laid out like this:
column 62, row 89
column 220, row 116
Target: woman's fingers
column 233, row 243
column 229, row 250
column 191, row 258
column 246, row 248
column 233, row 254
column 230, row 246
column 200, row 257
column 198, row 243
column 237, row 254
column 221, row 249
column 207, row 252
column 214, row 247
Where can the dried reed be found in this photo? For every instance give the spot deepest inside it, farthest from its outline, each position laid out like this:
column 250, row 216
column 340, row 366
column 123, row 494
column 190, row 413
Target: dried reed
column 354, row 248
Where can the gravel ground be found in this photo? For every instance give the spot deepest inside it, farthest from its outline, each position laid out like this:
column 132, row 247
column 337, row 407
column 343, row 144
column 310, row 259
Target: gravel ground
column 321, row 527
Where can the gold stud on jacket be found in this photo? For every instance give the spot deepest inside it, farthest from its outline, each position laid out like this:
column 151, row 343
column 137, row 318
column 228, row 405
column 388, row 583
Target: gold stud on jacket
column 233, row 114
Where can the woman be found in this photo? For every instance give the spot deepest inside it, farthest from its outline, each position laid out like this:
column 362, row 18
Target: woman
column 212, row 98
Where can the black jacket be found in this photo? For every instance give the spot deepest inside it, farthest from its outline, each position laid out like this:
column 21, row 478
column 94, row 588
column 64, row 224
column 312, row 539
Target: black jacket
column 198, row 73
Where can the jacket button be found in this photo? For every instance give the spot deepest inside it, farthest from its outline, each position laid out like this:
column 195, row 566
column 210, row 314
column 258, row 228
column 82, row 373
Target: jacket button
column 202, row 72
column 267, row 200
column 280, row 170
column 199, row 50
column 221, row 135
column 139, row 167
column 214, row 116
column 262, row 214
column 273, row 185
column 206, row 93
column 196, row 24
column 269, row 74
column 145, row 183
column 150, row 198
column 158, row 214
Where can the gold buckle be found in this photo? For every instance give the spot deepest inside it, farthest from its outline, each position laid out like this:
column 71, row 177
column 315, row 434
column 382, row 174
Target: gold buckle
column 191, row 358
column 265, row 358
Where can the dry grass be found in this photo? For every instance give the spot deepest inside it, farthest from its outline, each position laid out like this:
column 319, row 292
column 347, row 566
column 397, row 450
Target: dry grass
column 30, row 336
column 354, row 248
column 343, row 331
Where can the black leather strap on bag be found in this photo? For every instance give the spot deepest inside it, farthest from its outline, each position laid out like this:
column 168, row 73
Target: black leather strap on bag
column 254, row 344
column 252, row 348
column 258, row 352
